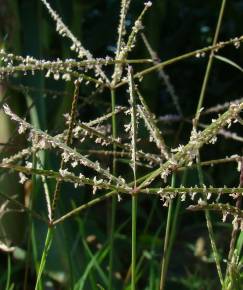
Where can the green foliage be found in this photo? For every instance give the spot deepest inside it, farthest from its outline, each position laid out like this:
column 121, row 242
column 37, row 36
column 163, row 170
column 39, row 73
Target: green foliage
column 86, row 226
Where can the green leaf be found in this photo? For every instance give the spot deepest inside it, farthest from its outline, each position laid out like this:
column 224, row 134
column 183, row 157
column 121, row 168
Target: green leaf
column 228, row 61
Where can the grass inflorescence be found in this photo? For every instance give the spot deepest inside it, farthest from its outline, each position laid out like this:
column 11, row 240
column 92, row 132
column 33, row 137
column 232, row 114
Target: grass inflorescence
column 107, row 158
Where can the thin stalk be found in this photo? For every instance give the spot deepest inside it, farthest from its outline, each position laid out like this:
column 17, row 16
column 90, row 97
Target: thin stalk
column 32, row 237
column 210, row 230
column 50, row 232
column 41, row 65
column 68, row 142
column 38, row 119
column 147, row 191
column 122, row 26
column 114, row 198
column 35, row 255
column 175, row 219
column 152, row 127
column 7, row 287
column 176, row 59
column 162, row 74
column 165, row 259
column 48, row 242
column 210, row 61
column 93, row 132
column 235, row 230
column 128, row 45
column 199, row 169
column 134, row 197
column 221, row 207
column 134, row 241
column 213, row 245
column 182, row 157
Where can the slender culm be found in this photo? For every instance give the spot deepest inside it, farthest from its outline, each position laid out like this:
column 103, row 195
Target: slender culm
column 113, row 174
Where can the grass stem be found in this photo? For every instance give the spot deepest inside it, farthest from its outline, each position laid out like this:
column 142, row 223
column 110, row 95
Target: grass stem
column 165, row 259
column 134, row 241
column 134, row 149
column 48, row 242
column 114, row 198
column 199, row 169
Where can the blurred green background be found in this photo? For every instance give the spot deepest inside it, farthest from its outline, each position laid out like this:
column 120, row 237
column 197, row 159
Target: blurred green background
column 172, row 28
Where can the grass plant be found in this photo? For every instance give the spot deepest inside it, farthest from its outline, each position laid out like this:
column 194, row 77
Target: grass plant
column 70, row 180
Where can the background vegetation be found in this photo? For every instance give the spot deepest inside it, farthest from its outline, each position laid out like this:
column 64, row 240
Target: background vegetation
column 79, row 255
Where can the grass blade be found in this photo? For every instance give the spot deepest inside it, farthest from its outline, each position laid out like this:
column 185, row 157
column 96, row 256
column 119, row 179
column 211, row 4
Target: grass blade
column 228, row 61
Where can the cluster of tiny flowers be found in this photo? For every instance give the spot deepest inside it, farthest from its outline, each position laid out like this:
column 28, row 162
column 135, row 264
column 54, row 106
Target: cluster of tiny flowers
column 200, row 54
column 65, row 70
column 154, row 131
column 126, row 48
column 19, row 156
column 58, row 69
column 22, row 177
column 81, row 130
column 71, row 153
column 213, row 140
column 180, row 148
column 236, row 42
column 134, row 123
column 165, row 174
column 63, row 30
column 81, row 180
column 148, row 4
column 122, row 27
column 220, row 107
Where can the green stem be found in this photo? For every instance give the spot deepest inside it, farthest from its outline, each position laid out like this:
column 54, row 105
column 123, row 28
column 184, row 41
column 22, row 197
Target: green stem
column 234, row 232
column 134, row 149
column 32, row 236
column 50, row 232
column 210, row 229
column 134, row 241
column 114, row 198
column 48, row 242
column 210, row 61
column 68, row 142
column 199, row 168
column 175, row 218
column 176, row 59
column 7, row 287
column 165, row 259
